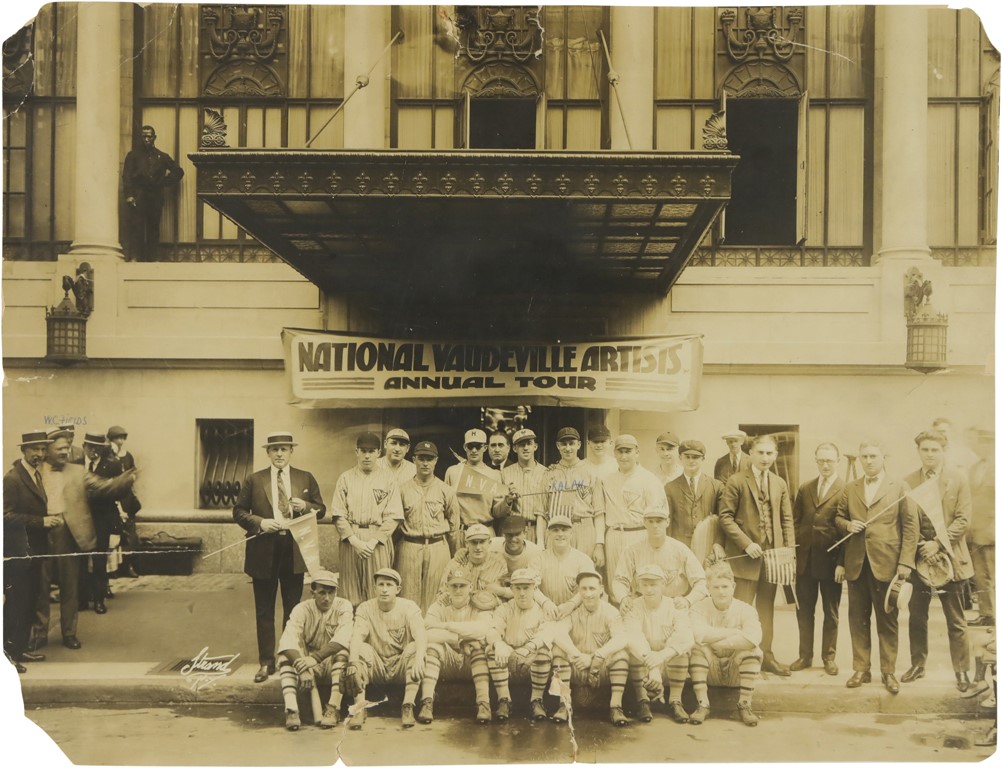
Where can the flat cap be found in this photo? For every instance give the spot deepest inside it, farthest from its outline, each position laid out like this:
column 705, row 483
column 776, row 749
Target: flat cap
column 325, row 578
column 568, row 432
column 387, row 573
column 692, row 446
column 667, row 437
column 368, row 441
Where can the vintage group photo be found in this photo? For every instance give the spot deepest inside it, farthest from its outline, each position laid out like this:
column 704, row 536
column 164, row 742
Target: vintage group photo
column 455, row 384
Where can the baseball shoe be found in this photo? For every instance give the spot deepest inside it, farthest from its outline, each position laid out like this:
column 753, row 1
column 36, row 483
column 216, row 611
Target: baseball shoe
column 503, row 711
column 560, row 716
column 483, row 712
column 330, row 718
column 357, row 721
column 407, row 715
column 644, row 711
column 748, row 717
column 426, row 713
column 677, row 712
column 699, row 715
column 617, row 717
column 536, row 710
column 291, row 720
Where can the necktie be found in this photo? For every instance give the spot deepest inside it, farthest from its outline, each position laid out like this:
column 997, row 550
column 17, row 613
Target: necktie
column 821, row 488
column 283, row 497
column 734, row 463
column 692, row 486
column 93, row 466
column 930, row 473
column 38, row 479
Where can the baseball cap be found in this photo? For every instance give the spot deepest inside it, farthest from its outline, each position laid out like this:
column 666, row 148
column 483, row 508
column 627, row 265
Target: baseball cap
column 426, row 448
column 458, row 576
column 398, row 434
column 692, row 446
column 587, row 572
column 513, row 524
column 559, row 520
column 652, row 512
column 116, row 431
column 388, row 573
column 477, row 532
column 599, row 433
column 475, row 436
column 524, row 576
column 627, row 441
column 651, row 572
column 326, row 578
column 568, row 432
column 368, row 441
column 667, row 437
column 522, row 435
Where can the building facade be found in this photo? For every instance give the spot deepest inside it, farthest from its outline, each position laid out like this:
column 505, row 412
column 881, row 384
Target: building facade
column 787, row 184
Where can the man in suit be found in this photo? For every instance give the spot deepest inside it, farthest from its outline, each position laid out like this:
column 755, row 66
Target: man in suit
column 130, row 504
column 941, row 532
column 884, row 527
column 25, row 523
column 756, row 515
column 692, row 496
column 268, row 499
column 735, row 460
column 814, row 528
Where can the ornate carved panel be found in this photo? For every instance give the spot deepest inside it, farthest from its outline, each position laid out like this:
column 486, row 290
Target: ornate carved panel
column 761, row 80
column 761, row 51
column 501, row 33
column 501, row 79
column 243, row 50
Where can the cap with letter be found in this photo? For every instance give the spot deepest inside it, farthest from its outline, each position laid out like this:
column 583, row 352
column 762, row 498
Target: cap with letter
column 691, row 446
column 522, row 435
column 368, row 441
column 279, row 438
column 398, row 434
column 568, row 433
column 588, row 572
column 324, row 578
column 478, row 532
column 387, row 573
column 651, row 572
column 559, row 521
column 626, row 441
column 599, row 434
column 655, row 512
column 458, row 576
column 475, row 436
column 37, row 437
column 524, row 576
column 426, row 448
column 667, row 438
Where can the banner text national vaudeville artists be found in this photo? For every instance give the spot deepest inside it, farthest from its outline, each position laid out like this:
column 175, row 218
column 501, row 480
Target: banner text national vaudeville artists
column 631, row 372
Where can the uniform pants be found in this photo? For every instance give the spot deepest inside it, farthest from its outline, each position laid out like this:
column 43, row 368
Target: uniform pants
column 20, row 585
column 583, row 536
column 421, row 567
column 616, row 543
column 358, row 575
column 763, row 595
column 866, row 599
column 983, row 559
column 67, row 570
column 951, row 597
column 831, row 598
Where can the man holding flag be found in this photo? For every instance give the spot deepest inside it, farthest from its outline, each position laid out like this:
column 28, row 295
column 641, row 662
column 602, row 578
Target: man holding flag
column 879, row 526
column 944, row 499
column 477, row 485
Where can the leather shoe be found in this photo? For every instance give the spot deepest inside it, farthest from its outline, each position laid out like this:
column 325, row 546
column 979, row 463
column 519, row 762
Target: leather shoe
column 618, row 717
column 644, row 712
column 263, row 671
column 769, row 664
column 29, row 656
column 71, row 642
column 800, row 664
column 831, row 668
column 21, row 669
column 291, row 720
column 857, row 679
column 100, row 607
column 699, row 715
column 677, row 712
column 913, row 673
column 130, row 571
column 963, row 680
column 890, row 683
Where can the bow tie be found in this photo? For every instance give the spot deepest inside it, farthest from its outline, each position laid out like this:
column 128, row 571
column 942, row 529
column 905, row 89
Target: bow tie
column 872, row 480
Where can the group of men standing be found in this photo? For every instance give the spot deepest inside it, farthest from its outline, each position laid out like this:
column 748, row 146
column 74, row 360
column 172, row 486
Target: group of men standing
column 61, row 502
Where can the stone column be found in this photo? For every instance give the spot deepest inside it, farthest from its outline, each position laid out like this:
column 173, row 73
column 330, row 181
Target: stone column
column 631, row 47
column 901, row 173
column 365, row 116
column 99, row 101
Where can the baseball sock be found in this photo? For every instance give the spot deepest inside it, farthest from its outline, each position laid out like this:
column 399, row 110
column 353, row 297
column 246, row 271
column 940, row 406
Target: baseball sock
column 337, row 669
column 619, row 670
column 678, row 671
column 432, row 670
column 290, row 683
column 637, row 674
column 499, row 676
column 481, row 675
column 539, row 674
column 748, row 670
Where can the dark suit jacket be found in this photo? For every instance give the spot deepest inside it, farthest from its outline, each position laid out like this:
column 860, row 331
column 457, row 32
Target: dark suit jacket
column 955, row 492
column 814, row 527
column 740, row 516
column 686, row 511
column 723, row 470
column 890, row 540
column 254, row 506
column 106, row 507
column 24, row 507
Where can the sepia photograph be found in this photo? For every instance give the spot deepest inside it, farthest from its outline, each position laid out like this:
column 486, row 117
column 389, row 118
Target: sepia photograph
column 458, row 385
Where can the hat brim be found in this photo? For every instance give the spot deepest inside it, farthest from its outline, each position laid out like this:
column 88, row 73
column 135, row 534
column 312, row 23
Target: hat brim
column 903, row 595
column 273, row 445
column 34, row 442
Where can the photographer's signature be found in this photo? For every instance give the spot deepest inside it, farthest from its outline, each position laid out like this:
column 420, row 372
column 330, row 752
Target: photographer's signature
column 203, row 670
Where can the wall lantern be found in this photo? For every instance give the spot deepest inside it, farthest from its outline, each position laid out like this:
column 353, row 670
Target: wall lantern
column 66, row 323
column 926, row 352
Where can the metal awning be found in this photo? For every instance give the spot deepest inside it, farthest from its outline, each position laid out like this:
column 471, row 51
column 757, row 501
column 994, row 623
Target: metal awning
column 427, row 220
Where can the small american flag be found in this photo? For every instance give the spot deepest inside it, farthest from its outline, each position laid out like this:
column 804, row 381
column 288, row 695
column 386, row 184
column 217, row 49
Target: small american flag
column 781, row 566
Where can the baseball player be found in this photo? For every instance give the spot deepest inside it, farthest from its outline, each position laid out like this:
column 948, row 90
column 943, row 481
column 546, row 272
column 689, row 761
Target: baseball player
column 366, row 511
column 628, row 494
column 575, row 492
column 388, row 645
column 525, row 481
column 518, row 642
column 686, row 583
column 599, row 459
column 660, row 639
column 457, row 639
column 512, row 546
column 394, row 457
column 314, row 648
column 486, row 570
column 559, row 564
column 727, row 633
column 589, row 646
column 431, row 520
column 477, row 485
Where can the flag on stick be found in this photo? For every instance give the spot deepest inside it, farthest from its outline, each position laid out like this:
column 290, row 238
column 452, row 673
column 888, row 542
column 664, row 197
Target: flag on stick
column 304, row 531
column 928, row 497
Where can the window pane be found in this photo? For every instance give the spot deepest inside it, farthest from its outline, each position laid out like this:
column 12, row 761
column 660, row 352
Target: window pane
column 160, row 58
column 412, row 68
column 414, row 127
column 327, row 52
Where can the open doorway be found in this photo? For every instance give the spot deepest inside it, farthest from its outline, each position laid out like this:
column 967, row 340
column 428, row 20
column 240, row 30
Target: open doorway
column 502, row 123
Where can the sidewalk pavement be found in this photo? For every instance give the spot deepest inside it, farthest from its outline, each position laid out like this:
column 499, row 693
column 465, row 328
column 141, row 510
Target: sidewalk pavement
column 156, row 621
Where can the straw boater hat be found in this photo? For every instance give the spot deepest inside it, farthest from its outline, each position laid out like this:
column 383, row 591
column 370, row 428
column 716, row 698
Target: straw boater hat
column 279, row 438
column 99, row 441
column 38, row 437
column 900, row 590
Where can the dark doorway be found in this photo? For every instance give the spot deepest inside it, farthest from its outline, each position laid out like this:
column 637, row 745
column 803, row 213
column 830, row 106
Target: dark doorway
column 763, row 207
column 502, row 123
